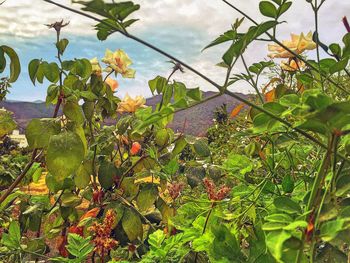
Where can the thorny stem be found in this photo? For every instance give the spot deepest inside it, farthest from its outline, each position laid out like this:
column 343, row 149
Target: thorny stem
column 219, row 87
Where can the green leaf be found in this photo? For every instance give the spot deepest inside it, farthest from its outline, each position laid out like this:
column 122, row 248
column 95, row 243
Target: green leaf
column 40, row 73
column 295, row 225
column 225, row 246
column 82, row 68
column 130, row 189
column 33, row 68
column 51, row 71
column 61, row 45
column 315, row 126
column 157, row 84
column 79, row 247
column 15, row 66
column 7, row 124
column 330, row 229
column 39, row 132
column 88, row 95
column 335, row 49
column 167, row 94
column 15, row 232
column 287, row 205
column 288, row 184
column 195, row 94
column 284, row 8
column 73, row 111
column 70, row 200
column 106, row 174
column 162, row 137
column 64, row 155
column 238, row 163
column 289, row 100
column 227, row 36
column 279, row 218
column 275, row 240
column 147, row 196
column 343, row 185
column 83, row 175
column 179, row 146
column 274, row 107
column 2, row 60
column 156, row 239
column 268, row 9
column 339, row 66
column 201, row 148
column 132, row 224
column 179, row 91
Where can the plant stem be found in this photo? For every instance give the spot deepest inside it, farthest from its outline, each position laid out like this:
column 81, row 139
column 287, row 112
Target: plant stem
column 317, row 43
column 254, row 84
column 205, row 226
column 316, row 189
column 21, row 176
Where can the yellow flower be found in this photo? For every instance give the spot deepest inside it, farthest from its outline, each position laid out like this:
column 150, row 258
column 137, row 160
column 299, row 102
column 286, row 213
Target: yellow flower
column 119, row 62
column 298, row 44
column 292, row 65
column 112, row 83
column 130, row 105
column 96, row 68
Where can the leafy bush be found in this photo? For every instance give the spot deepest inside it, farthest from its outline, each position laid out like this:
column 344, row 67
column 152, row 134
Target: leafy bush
column 269, row 183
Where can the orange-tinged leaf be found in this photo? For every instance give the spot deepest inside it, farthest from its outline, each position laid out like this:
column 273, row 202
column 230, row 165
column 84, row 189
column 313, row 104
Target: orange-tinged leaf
column 236, row 110
column 91, row 213
column 262, row 155
column 270, row 96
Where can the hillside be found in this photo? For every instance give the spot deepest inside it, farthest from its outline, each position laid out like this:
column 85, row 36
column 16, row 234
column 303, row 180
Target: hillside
column 197, row 118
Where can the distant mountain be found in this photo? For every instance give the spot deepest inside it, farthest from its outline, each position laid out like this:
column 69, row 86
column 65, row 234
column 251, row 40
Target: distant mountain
column 196, row 120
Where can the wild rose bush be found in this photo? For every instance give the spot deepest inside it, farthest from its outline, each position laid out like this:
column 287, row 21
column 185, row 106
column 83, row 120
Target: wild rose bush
column 269, row 184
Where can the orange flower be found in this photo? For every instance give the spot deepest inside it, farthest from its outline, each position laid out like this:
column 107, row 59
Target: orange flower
column 135, row 149
column 298, row 44
column 130, row 105
column 112, row 83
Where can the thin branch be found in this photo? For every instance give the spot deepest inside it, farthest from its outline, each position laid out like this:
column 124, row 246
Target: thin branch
column 254, row 84
column 9, row 190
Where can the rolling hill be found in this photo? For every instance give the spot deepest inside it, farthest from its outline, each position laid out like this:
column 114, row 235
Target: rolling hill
column 196, row 120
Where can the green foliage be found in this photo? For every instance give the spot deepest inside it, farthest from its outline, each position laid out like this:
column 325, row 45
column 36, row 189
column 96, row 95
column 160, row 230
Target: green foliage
column 78, row 247
column 267, row 184
column 65, row 153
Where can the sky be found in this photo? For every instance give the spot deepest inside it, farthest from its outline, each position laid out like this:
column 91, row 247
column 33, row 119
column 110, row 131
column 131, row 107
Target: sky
column 180, row 27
